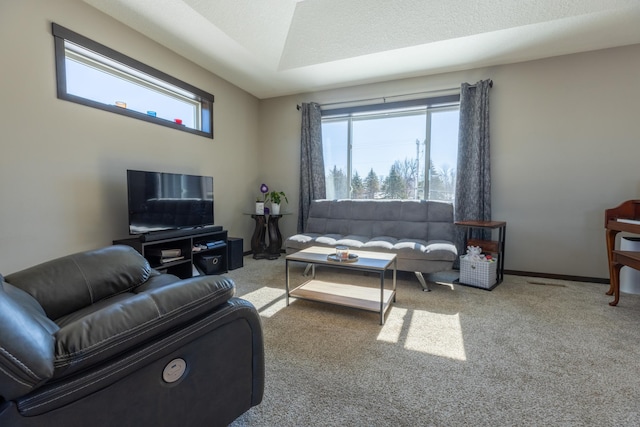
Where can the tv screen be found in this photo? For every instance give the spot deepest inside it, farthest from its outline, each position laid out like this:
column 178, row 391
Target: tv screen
column 168, row 201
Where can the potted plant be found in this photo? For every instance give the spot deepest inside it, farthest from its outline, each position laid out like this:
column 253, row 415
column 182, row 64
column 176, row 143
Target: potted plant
column 276, row 198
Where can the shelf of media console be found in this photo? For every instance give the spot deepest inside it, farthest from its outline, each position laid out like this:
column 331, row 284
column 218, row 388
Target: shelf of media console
column 212, row 242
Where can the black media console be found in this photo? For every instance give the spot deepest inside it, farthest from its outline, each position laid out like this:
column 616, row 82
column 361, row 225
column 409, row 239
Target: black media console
column 186, row 251
column 182, row 232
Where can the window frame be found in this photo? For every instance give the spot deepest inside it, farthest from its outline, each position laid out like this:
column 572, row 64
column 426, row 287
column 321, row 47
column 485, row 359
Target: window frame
column 205, row 99
column 399, row 108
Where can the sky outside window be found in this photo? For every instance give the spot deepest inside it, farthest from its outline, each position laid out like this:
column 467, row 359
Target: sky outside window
column 378, row 143
column 108, row 89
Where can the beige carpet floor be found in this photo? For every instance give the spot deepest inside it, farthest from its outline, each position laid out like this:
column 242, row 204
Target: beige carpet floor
column 532, row 352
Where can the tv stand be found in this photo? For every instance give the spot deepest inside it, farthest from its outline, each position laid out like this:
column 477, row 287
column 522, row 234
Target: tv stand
column 187, row 243
column 168, row 234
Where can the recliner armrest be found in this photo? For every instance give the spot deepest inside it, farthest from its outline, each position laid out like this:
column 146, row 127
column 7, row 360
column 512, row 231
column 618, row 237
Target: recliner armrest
column 27, row 344
column 115, row 325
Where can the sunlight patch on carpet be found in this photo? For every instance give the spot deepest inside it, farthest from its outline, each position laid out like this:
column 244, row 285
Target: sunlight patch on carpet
column 268, row 301
column 392, row 329
column 436, row 334
column 432, row 333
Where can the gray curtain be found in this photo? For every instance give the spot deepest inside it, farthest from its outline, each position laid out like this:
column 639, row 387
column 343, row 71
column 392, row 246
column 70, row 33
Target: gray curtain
column 473, row 182
column 312, row 183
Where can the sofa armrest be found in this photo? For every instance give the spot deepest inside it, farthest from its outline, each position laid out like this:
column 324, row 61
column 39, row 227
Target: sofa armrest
column 26, row 343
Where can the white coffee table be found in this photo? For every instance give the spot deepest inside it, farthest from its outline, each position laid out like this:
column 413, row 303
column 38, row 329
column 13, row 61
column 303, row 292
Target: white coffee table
column 364, row 298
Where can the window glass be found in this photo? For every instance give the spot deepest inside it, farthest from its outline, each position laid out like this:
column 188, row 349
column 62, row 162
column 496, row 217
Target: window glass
column 443, row 154
column 400, row 154
column 334, row 143
column 100, row 86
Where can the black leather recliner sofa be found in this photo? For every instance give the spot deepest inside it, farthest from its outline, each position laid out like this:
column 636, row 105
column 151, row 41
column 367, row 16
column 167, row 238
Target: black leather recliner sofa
column 101, row 339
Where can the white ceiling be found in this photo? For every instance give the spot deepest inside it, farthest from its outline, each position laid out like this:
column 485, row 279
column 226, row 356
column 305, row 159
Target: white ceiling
column 281, row 47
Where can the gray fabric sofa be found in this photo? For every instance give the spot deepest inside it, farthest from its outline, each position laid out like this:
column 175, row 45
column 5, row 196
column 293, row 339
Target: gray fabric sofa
column 420, row 232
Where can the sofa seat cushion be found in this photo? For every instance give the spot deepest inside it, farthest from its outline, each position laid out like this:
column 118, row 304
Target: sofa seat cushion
column 328, row 239
column 353, row 241
column 382, row 243
column 411, row 249
column 114, row 325
column 433, row 250
column 301, row 241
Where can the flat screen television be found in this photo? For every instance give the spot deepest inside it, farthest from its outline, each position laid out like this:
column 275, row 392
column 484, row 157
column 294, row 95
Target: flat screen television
column 159, row 201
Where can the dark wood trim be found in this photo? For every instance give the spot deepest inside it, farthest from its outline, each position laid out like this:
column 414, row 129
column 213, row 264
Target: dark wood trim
column 558, row 276
column 61, row 68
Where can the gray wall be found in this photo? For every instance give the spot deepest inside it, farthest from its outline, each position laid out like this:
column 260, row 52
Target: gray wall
column 565, row 146
column 63, row 165
column 565, row 143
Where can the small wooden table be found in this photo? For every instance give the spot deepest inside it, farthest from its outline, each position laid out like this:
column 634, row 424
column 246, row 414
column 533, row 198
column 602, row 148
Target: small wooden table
column 364, row 298
column 496, row 247
column 258, row 245
column 266, row 224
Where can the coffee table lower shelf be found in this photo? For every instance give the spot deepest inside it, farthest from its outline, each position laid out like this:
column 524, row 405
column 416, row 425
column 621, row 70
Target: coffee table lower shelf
column 346, row 295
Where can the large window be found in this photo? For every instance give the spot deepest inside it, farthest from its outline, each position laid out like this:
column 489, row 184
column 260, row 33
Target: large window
column 95, row 75
column 398, row 151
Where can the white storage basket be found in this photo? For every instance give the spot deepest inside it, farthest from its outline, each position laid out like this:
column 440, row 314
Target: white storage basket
column 482, row 274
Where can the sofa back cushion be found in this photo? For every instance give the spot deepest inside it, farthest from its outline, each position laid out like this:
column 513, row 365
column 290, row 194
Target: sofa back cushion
column 67, row 284
column 417, row 219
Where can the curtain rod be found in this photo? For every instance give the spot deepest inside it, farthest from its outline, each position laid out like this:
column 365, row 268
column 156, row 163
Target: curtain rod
column 384, row 98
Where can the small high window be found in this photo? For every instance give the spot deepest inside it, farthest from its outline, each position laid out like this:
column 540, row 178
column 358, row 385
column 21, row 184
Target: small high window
column 94, row 75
